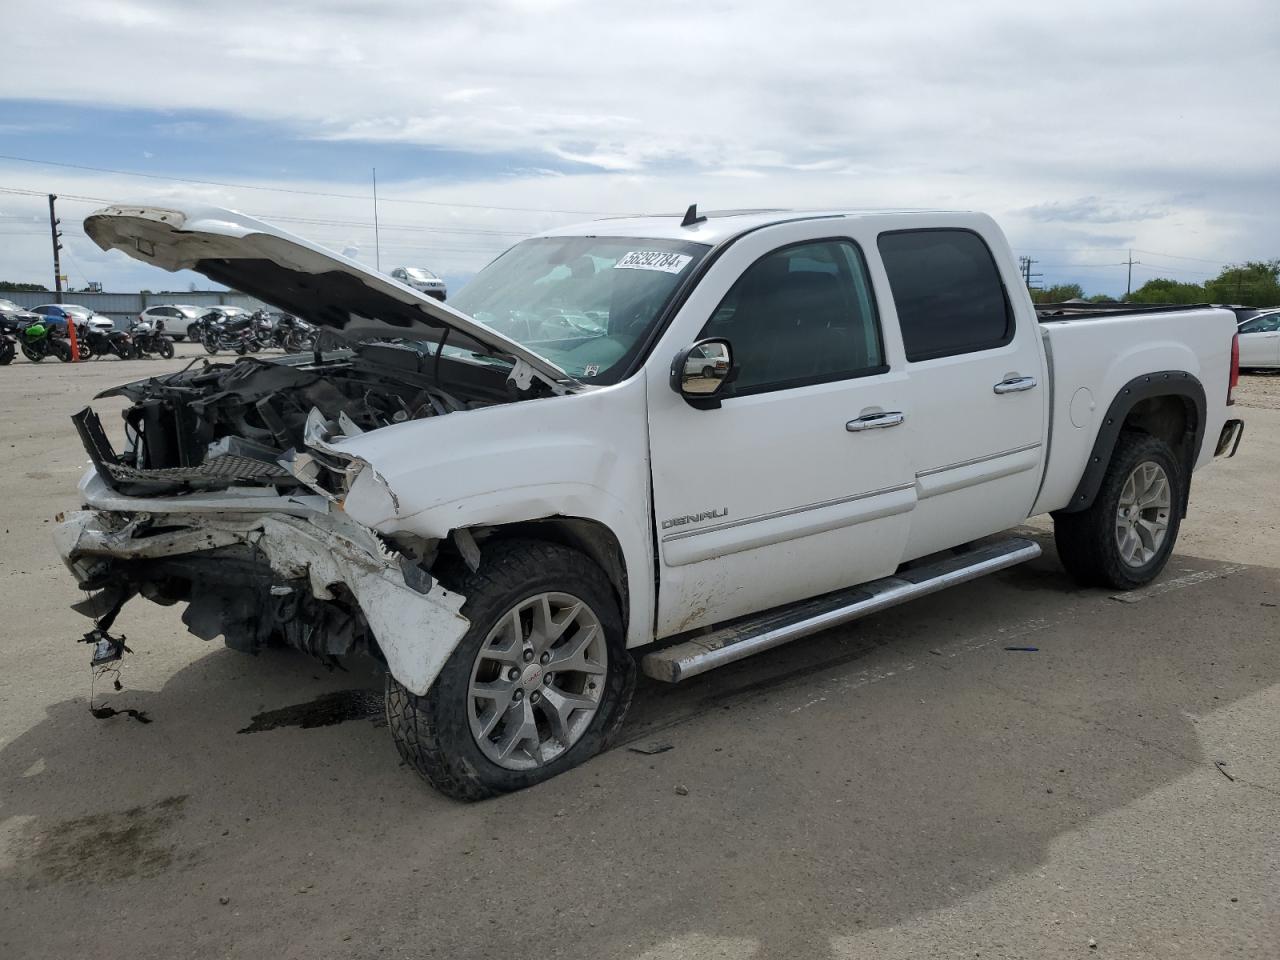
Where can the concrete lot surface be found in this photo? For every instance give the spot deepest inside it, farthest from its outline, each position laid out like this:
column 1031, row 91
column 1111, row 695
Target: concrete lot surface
column 905, row 787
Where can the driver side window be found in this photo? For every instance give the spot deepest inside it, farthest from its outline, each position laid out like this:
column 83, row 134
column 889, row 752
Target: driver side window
column 800, row 315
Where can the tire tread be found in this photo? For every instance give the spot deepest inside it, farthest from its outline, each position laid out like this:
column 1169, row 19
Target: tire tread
column 1085, row 540
column 427, row 734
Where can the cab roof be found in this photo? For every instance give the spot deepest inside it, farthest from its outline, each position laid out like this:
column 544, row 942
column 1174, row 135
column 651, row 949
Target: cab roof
column 718, row 225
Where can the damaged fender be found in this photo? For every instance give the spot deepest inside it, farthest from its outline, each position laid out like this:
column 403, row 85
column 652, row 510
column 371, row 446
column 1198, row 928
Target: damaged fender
column 417, row 622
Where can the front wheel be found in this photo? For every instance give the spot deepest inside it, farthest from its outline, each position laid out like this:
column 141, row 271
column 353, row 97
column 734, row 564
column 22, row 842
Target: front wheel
column 210, row 347
column 7, row 351
column 539, row 683
column 165, row 348
column 1125, row 538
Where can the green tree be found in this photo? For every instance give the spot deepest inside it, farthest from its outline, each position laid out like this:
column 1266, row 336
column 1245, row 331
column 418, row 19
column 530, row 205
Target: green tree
column 1255, row 283
column 9, row 285
column 1058, row 293
column 1162, row 290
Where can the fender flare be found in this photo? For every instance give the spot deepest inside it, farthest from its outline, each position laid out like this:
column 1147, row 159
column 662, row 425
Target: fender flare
column 1163, row 383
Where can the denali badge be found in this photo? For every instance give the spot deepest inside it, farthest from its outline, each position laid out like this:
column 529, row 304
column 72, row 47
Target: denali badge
column 695, row 518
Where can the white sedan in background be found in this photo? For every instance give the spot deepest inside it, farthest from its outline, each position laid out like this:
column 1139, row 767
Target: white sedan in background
column 1260, row 341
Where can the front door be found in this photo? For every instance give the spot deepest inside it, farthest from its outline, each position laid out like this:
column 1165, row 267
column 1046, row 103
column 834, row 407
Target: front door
column 1260, row 341
column 799, row 483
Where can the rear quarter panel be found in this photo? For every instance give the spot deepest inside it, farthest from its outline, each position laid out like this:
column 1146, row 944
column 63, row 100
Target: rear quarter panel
column 1091, row 361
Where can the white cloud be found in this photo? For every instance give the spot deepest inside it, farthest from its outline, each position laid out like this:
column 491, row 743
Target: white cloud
column 1162, row 114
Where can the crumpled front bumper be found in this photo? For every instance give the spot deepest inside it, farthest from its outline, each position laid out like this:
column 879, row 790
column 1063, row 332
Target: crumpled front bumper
column 417, row 622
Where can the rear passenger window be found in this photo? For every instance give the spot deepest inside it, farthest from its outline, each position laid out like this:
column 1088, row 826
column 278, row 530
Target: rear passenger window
column 948, row 292
column 799, row 315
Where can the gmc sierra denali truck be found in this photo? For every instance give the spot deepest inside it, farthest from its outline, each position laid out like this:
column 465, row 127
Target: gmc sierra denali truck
column 668, row 442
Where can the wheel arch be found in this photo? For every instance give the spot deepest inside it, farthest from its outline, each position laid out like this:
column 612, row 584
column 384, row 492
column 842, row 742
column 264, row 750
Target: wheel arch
column 590, row 537
column 1169, row 404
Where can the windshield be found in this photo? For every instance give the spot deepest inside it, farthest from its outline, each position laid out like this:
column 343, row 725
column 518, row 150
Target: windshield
column 417, row 273
column 584, row 303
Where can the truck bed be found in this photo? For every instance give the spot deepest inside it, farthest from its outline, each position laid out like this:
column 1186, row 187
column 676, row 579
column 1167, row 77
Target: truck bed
column 1095, row 355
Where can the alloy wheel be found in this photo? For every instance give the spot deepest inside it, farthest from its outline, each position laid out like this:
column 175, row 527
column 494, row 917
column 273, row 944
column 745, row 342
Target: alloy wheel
column 537, row 681
column 1142, row 515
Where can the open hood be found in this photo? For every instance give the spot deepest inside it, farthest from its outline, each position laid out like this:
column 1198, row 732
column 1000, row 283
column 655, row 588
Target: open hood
column 300, row 278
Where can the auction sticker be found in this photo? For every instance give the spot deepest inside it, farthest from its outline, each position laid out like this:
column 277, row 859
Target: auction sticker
column 653, row 260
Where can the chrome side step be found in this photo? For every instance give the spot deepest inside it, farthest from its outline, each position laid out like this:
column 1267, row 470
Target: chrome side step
column 764, row 631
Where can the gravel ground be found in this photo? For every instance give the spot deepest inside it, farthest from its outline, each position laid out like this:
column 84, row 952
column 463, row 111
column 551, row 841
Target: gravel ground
column 905, row 787
column 1260, row 390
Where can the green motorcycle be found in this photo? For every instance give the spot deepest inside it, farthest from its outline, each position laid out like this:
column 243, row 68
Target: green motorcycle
column 37, row 343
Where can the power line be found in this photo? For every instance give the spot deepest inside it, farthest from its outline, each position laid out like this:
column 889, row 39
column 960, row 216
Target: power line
column 1174, row 256
column 305, row 193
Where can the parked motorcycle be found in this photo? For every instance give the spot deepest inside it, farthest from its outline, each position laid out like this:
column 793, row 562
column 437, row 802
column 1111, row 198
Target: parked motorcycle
column 9, row 330
column 149, row 337
column 263, row 330
column 37, row 342
column 94, row 341
column 293, row 335
column 233, row 333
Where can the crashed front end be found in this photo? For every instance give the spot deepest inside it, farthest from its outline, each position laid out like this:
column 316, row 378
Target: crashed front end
column 228, row 496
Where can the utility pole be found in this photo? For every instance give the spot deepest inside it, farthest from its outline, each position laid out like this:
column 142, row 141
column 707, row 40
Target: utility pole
column 57, row 262
column 57, row 276
column 1024, row 266
column 377, row 240
column 1128, row 287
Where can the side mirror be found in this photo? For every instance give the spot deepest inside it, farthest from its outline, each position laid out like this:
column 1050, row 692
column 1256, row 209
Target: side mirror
column 700, row 372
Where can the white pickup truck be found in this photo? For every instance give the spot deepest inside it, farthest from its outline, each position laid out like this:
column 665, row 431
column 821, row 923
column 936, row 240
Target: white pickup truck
column 664, row 441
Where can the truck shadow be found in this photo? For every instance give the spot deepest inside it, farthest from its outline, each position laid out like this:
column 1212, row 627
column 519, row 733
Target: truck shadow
column 838, row 785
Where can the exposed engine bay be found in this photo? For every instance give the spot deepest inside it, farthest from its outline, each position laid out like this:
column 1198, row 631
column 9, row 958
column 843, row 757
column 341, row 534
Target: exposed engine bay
column 249, row 422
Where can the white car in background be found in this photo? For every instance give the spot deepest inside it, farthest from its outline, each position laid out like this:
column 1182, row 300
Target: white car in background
column 420, row 278
column 1260, row 341
column 172, row 318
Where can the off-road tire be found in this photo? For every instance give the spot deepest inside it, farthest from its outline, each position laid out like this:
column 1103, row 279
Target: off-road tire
column 1086, row 540
column 432, row 732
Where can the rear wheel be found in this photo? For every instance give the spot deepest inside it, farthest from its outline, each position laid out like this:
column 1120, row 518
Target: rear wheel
column 32, row 354
column 165, row 348
column 1125, row 538
column 7, row 351
column 539, row 683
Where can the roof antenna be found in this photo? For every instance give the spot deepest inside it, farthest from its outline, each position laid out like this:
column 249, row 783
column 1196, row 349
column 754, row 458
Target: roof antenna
column 691, row 217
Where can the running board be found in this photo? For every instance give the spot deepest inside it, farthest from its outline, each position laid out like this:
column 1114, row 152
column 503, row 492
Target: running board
column 764, row 631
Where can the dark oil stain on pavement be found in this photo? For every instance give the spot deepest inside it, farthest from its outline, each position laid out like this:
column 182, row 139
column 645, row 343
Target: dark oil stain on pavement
column 102, row 847
column 323, row 711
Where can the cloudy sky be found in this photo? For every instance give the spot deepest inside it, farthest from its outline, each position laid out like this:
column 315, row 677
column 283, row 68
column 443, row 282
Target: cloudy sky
column 1087, row 128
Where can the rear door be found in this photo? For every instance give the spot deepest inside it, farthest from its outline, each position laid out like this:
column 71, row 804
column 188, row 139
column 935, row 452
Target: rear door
column 975, row 369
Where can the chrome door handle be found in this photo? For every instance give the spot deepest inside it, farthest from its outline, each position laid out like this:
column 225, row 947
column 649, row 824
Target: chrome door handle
column 1015, row 385
column 875, row 421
